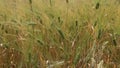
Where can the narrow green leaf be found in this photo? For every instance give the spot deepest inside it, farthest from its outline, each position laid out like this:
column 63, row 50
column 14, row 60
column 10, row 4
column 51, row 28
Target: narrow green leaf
column 40, row 41
column 61, row 33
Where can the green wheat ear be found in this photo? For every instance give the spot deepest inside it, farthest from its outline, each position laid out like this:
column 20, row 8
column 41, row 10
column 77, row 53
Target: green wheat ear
column 61, row 33
column 67, row 1
column 59, row 19
column 30, row 1
column 97, row 5
column 76, row 23
column 95, row 24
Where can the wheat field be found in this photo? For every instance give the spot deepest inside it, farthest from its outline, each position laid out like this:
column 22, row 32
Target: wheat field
column 59, row 33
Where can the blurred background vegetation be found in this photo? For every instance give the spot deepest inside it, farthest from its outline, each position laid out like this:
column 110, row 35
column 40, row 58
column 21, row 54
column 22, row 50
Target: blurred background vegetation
column 59, row 33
